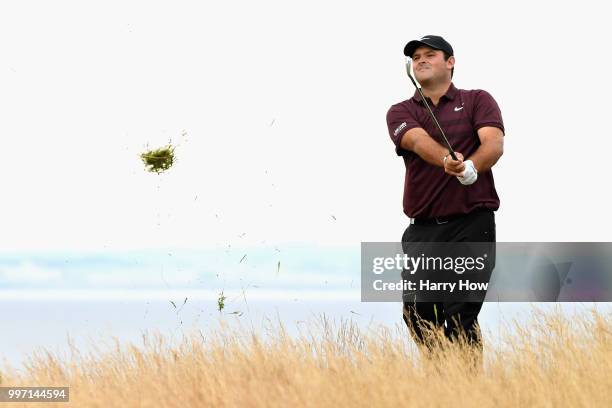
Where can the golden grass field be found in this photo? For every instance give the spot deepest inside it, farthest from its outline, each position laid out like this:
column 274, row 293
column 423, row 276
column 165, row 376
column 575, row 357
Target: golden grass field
column 552, row 361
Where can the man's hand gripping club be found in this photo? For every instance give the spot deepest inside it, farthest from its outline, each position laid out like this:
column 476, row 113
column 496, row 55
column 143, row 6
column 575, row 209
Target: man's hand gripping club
column 464, row 170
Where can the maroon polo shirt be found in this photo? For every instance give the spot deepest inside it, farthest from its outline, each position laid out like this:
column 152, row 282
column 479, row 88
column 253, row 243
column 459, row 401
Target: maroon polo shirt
column 428, row 190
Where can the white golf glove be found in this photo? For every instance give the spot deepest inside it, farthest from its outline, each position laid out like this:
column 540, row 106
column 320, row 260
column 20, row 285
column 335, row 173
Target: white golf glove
column 469, row 174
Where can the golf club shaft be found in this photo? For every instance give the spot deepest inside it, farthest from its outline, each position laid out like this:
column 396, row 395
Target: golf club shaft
column 450, row 148
column 448, row 145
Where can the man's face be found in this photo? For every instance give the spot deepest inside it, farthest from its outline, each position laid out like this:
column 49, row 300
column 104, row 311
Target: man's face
column 430, row 67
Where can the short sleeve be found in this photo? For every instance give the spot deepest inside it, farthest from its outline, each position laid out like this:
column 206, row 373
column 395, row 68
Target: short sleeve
column 399, row 121
column 486, row 112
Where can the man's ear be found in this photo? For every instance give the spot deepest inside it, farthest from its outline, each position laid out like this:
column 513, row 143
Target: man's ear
column 450, row 63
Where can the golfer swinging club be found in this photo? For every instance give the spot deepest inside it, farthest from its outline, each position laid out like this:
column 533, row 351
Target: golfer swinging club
column 447, row 200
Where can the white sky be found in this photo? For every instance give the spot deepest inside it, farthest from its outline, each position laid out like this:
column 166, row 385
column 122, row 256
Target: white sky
column 284, row 107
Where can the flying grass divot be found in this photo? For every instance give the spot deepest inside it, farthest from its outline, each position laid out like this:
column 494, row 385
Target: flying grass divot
column 158, row 160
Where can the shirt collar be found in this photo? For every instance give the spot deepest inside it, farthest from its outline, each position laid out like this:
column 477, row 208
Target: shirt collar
column 450, row 94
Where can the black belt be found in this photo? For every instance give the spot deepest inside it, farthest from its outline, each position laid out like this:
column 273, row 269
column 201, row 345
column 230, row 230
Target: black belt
column 444, row 220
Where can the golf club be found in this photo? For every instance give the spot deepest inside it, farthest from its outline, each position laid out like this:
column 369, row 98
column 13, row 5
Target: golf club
column 450, row 148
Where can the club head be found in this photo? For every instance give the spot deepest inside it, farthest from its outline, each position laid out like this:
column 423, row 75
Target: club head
column 409, row 71
column 409, row 67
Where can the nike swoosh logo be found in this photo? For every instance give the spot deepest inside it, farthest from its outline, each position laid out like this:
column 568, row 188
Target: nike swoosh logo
column 457, row 108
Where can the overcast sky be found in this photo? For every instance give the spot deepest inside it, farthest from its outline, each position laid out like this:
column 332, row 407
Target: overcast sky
column 283, row 109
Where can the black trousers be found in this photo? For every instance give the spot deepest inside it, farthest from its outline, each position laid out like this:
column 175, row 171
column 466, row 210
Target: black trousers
column 456, row 317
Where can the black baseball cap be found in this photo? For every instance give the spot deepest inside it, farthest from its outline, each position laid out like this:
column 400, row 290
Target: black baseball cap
column 433, row 41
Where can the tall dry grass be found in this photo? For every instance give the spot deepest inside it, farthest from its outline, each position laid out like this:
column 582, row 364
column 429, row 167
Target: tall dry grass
column 553, row 361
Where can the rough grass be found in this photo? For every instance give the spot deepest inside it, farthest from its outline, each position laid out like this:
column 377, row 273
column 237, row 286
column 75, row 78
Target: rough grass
column 553, row 361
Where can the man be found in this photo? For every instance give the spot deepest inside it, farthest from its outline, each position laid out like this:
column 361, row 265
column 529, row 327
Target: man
column 447, row 200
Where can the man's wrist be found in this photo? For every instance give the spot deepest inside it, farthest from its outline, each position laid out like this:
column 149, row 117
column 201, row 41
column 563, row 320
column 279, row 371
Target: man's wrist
column 473, row 165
